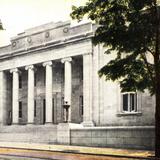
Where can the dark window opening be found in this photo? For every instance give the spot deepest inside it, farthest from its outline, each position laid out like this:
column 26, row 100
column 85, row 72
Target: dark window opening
column 35, row 108
column 20, row 81
column 125, row 102
column 44, row 111
column 20, row 109
column 35, row 79
column 130, row 102
column 81, row 105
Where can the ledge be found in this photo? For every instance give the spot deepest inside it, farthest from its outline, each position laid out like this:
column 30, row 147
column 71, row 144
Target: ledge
column 129, row 114
column 115, row 128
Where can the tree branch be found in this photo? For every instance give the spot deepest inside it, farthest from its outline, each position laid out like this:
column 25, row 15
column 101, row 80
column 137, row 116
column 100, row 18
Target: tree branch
column 147, row 65
column 150, row 51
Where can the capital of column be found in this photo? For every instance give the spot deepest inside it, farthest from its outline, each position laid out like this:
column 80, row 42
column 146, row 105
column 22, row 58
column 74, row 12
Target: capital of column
column 14, row 70
column 49, row 63
column 29, row 67
column 68, row 59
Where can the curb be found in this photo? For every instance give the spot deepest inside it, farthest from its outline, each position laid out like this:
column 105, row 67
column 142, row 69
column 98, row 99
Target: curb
column 77, row 152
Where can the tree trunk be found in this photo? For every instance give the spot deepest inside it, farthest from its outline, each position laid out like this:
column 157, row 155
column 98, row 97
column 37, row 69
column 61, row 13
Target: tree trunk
column 157, row 84
column 157, row 122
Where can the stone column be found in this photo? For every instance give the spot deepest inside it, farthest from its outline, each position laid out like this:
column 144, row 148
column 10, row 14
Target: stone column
column 49, row 87
column 67, row 83
column 3, row 98
column 15, row 95
column 87, row 90
column 30, row 100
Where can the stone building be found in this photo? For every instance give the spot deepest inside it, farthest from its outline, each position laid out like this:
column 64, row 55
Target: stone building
column 50, row 65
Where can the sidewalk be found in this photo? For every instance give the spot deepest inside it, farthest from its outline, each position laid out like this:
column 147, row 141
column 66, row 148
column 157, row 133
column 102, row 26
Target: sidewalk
column 142, row 154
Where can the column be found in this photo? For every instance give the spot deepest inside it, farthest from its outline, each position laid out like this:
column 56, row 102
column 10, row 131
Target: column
column 49, row 86
column 15, row 95
column 3, row 98
column 67, row 83
column 87, row 90
column 30, row 98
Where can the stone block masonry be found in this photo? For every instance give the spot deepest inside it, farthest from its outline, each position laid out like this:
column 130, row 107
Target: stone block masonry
column 118, row 137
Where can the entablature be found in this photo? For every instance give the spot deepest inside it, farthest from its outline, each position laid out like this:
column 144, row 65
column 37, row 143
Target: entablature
column 45, row 37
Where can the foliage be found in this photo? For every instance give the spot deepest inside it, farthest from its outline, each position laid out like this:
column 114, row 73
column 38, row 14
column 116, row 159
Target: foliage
column 130, row 28
column 1, row 26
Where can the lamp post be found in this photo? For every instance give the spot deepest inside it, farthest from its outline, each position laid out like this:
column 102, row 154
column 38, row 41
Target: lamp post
column 66, row 107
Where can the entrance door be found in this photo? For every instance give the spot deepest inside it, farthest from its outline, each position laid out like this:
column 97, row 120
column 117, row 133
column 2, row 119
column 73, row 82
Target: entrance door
column 53, row 111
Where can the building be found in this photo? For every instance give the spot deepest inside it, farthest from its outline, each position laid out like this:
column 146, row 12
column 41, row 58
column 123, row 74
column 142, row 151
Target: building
column 49, row 66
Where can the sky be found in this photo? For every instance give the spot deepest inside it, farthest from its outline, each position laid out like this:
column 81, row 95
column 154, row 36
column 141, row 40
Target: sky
column 18, row 15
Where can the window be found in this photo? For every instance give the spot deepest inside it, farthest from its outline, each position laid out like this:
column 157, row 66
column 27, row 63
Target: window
column 35, row 108
column 35, row 79
column 20, row 109
column 129, row 102
column 20, row 81
column 81, row 105
column 44, row 111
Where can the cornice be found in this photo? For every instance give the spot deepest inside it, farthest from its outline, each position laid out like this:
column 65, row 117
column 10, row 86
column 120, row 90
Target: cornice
column 47, row 45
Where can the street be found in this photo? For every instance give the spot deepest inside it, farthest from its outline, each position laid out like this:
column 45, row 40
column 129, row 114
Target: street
column 23, row 154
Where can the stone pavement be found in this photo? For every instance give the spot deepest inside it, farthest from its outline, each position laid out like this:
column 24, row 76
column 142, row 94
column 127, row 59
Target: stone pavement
column 141, row 154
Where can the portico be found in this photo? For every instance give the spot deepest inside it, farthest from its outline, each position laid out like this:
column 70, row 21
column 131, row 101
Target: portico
column 41, row 81
column 49, row 78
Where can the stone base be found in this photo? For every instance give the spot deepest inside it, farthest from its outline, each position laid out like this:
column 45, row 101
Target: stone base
column 63, row 132
column 29, row 134
column 30, row 124
column 48, row 124
column 133, row 137
column 15, row 124
column 88, row 124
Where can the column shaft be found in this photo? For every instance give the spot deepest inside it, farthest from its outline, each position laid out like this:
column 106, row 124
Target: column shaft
column 87, row 90
column 67, row 83
column 49, row 86
column 3, row 98
column 15, row 96
column 30, row 99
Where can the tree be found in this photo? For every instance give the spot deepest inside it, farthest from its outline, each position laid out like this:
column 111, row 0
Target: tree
column 1, row 26
column 132, row 29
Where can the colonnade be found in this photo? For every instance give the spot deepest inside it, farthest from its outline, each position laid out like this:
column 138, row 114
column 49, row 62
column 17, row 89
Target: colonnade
column 87, row 90
column 48, row 90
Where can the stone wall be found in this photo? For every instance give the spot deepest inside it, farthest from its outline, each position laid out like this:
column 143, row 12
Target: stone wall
column 29, row 134
column 118, row 137
column 107, row 99
column 136, row 137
